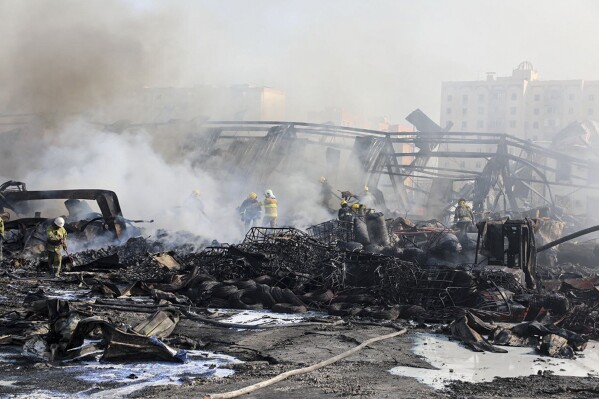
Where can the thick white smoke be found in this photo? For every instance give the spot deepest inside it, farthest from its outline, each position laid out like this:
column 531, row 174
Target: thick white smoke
column 80, row 155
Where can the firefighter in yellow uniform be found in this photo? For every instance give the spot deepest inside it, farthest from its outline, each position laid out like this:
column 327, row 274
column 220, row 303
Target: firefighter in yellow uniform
column 270, row 209
column 463, row 216
column 56, row 242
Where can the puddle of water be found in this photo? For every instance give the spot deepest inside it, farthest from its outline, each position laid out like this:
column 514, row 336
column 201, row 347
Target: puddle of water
column 258, row 317
column 455, row 362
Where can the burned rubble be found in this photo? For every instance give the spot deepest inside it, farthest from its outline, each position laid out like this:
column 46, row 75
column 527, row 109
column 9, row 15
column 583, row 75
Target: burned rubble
column 499, row 281
column 290, row 271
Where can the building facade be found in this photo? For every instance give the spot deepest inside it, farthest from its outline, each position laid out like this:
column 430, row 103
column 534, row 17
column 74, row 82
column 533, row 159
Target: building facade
column 523, row 106
column 520, row 104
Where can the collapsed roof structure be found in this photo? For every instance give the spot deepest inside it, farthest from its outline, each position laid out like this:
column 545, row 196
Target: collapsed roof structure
column 517, row 176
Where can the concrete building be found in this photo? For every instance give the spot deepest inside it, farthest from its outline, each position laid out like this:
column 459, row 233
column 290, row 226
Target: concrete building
column 521, row 105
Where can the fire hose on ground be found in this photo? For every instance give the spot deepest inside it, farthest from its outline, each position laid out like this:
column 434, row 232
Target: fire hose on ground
column 303, row 370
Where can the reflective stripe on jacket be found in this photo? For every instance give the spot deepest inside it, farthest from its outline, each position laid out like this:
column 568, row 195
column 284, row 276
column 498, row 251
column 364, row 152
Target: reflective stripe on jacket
column 270, row 207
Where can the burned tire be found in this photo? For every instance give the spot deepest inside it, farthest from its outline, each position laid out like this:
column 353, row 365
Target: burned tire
column 362, row 299
column 224, row 291
column 277, row 294
column 318, row 296
column 242, row 300
column 199, row 279
column 266, row 298
column 380, row 312
column 288, row 308
column 291, row 298
column 263, row 279
column 245, row 284
column 207, row 286
column 344, row 309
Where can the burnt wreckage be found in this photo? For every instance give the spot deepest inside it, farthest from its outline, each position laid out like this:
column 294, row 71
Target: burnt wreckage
column 506, row 268
column 27, row 214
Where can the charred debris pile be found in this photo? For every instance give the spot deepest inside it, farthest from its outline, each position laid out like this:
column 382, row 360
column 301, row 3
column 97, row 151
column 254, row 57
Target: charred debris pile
column 376, row 270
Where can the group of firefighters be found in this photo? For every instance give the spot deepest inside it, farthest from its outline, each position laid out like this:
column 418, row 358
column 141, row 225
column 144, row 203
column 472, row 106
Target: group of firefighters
column 250, row 212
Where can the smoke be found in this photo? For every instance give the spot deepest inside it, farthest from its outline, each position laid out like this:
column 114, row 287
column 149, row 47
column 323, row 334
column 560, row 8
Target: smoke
column 69, row 57
column 78, row 155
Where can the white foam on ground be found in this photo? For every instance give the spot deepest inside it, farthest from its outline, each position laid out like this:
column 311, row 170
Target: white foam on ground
column 67, row 295
column 259, row 317
column 455, row 362
column 202, row 364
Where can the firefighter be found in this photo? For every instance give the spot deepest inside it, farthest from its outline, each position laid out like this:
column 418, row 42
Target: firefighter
column 270, row 208
column 345, row 213
column 367, row 198
column 195, row 204
column 463, row 216
column 250, row 211
column 55, row 243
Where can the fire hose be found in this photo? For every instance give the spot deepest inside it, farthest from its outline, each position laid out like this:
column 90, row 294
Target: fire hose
column 303, row 370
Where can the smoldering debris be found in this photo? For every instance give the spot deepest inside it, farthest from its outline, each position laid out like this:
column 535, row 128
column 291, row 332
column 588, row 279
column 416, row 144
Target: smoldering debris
column 128, row 300
column 286, row 270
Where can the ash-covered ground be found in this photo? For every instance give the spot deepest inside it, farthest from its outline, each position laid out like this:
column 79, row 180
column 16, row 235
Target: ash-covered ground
column 197, row 322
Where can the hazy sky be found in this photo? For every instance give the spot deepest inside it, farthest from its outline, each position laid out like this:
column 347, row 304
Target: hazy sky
column 378, row 57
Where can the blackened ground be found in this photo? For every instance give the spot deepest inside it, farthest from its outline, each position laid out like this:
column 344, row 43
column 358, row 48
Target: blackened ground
column 269, row 352
column 537, row 386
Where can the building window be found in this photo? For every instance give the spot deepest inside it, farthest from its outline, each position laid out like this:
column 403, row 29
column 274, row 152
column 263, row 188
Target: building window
column 462, row 164
column 512, row 124
column 480, row 124
column 514, row 96
column 513, row 111
column 555, row 95
column 481, row 98
column 551, row 123
column 537, row 97
column 481, row 111
column 478, row 164
column 464, row 125
column 449, row 97
column 535, row 125
column 570, row 110
column 550, row 110
column 536, row 111
column 464, row 111
column 465, row 98
column 448, row 111
column 572, row 97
